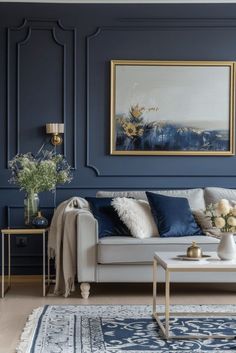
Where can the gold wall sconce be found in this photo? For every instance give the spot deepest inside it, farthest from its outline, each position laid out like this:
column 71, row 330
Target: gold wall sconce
column 55, row 129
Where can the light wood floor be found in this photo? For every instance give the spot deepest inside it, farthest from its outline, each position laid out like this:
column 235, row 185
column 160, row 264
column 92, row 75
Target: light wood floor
column 25, row 295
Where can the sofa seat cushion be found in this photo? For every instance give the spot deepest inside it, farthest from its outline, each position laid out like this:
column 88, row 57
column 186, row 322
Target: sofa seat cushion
column 133, row 250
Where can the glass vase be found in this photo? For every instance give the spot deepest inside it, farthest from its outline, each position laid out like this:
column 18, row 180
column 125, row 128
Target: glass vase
column 31, row 207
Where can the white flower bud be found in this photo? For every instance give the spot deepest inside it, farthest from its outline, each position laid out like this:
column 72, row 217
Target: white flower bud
column 219, row 222
column 231, row 221
column 223, row 207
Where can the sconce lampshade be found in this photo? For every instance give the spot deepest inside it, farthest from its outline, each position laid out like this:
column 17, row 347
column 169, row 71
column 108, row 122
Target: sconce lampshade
column 54, row 128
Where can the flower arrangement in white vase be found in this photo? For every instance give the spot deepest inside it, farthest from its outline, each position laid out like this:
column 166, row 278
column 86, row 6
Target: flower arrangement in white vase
column 223, row 217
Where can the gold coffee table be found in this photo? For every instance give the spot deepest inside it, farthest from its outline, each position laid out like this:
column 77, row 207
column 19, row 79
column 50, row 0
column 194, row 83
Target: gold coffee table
column 170, row 263
column 17, row 231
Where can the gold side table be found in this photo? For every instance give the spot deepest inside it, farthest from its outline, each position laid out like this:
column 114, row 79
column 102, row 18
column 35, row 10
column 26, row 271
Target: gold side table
column 27, row 231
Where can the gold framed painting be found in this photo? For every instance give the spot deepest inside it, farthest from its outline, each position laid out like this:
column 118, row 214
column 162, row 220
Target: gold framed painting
column 172, row 108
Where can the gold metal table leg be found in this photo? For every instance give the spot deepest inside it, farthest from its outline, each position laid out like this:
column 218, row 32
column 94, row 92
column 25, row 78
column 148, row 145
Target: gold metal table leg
column 3, row 264
column 154, row 286
column 48, row 275
column 48, row 272
column 167, row 304
column 155, row 314
column 4, row 290
column 9, row 260
column 44, row 280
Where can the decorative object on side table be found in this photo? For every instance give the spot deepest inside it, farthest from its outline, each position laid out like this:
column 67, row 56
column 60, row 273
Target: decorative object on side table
column 31, row 206
column 39, row 221
column 223, row 217
column 194, row 251
column 35, row 174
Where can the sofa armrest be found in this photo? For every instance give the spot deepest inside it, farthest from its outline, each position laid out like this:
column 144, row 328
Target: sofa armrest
column 87, row 238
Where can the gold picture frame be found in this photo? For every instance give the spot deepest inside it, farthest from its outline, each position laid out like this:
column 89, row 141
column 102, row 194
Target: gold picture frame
column 172, row 108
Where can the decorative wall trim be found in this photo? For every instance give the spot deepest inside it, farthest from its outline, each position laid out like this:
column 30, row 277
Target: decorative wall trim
column 19, row 45
column 164, row 24
column 24, row 255
column 57, row 41
column 205, row 22
column 23, row 265
column 40, row 24
column 7, row 99
column 88, row 187
column 88, row 163
column 127, row 1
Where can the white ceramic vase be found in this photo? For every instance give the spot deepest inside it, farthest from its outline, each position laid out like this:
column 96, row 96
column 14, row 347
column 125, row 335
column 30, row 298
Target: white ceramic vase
column 227, row 249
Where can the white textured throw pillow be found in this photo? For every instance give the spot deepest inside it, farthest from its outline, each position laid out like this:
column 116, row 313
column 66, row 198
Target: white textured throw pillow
column 137, row 216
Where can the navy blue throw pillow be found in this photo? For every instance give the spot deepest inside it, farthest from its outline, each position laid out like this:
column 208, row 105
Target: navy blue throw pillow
column 173, row 216
column 109, row 223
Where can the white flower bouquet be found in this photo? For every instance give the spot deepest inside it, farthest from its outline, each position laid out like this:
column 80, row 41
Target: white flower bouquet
column 34, row 174
column 223, row 216
column 39, row 173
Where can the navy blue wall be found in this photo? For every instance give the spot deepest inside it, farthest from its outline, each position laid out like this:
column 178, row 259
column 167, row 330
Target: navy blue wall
column 54, row 67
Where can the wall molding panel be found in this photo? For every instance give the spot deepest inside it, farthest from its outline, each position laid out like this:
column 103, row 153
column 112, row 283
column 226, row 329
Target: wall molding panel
column 65, row 38
column 88, row 163
column 129, row 1
column 182, row 22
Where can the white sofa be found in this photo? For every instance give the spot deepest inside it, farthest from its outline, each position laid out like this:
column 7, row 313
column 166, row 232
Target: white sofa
column 128, row 259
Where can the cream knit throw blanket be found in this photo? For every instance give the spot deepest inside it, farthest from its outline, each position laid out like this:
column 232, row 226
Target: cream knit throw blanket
column 62, row 243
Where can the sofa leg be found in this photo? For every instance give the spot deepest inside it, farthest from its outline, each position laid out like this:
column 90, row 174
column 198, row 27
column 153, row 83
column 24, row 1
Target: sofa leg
column 85, row 288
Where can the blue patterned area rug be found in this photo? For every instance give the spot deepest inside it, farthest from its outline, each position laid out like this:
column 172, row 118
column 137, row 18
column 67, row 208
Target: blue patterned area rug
column 122, row 329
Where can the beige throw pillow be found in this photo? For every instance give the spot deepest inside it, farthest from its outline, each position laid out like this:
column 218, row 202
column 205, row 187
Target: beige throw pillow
column 137, row 216
column 205, row 223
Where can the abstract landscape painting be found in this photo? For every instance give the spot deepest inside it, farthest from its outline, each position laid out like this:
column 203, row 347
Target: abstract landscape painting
column 179, row 108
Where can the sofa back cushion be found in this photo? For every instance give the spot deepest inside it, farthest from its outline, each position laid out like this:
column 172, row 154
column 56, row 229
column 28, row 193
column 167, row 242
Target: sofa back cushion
column 195, row 197
column 173, row 216
column 214, row 195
